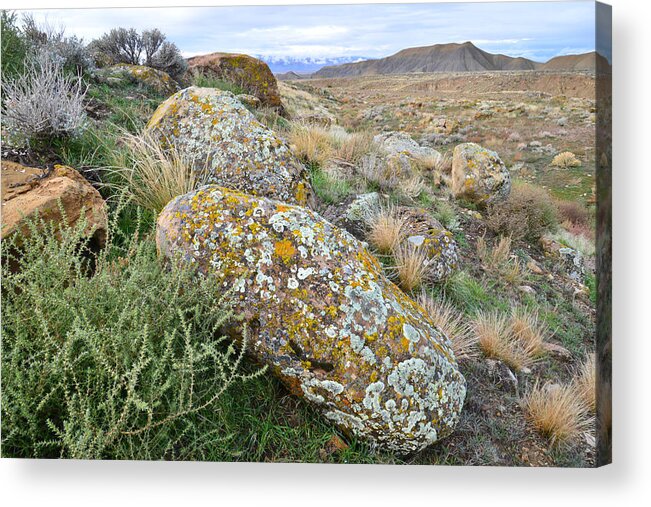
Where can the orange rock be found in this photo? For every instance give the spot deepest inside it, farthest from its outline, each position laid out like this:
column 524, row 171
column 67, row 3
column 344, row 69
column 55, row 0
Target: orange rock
column 28, row 190
column 253, row 75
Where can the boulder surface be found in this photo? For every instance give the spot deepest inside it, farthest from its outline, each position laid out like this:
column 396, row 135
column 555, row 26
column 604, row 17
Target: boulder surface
column 322, row 315
column 227, row 146
column 250, row 74
column 27, row 191
column 479, row 175
column 148, row 76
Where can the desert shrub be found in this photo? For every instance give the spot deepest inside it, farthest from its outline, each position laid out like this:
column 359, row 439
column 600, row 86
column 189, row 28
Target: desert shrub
column 556, row 411
column 574, row 212
column 527, row 214
column 112, row 355
column 565, row 160
column 71, row 52
column 122, row 45
column 453, row 324
column 43, row 104
column 14, row 46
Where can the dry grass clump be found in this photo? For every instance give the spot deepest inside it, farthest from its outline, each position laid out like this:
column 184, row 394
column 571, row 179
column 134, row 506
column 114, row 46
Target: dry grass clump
column 495, row 340
column 528, row 331
column 150, row 175
column 352, row 147
column 411, row 267
column 527, row 214
column 516, row 339
column 413, row 186
column 556, row 411
column 565, row 160
column 311, row 143
column 585, row 383
column 453, row 324
column 499, row 260
column 386, row 173
column 385, row 229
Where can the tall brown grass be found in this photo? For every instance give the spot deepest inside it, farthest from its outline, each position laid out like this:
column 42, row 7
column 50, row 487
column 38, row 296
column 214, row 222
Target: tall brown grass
column 411, row 266
column 453, row 324
column 385, row 228
column 556, row 411
column 585, row 382
column 311, row 143
column 517, row 338
column 499, row 260
column 151, row 175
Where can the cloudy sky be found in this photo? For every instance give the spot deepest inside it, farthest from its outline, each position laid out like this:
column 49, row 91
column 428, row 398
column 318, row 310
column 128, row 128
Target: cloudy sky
column 536, row 30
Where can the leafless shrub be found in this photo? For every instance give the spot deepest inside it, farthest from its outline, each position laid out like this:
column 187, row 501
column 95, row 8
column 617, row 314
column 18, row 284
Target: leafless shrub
column 122, row 45
column 43, row 103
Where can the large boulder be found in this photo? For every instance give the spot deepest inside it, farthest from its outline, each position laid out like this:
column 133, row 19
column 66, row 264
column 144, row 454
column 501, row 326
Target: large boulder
column 250, row 74
column 479, row 175
column 228, row 146
column 146, row 76
column 402, row 143
column 27, row 191
column 322, row 315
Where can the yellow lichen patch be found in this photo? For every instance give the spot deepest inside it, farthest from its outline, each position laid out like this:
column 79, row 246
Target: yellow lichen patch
column 285, row 250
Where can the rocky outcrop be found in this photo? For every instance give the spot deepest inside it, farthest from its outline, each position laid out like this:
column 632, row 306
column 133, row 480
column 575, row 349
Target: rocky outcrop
column 401, row 143
column 479, row 175
column 322, row 315
column 250, row 74
column 146, row 76
column 227, row 146
column 28, row 191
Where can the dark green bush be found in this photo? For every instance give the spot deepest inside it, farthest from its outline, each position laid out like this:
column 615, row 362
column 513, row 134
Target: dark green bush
column 109, row 355
column 14, row 46
column 527, row 214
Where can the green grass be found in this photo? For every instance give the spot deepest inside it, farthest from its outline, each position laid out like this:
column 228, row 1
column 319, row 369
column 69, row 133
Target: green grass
column 205, row 81
column 328, row 189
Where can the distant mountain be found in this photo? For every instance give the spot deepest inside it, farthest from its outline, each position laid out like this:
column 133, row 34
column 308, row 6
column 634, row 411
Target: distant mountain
column 279, row 65
column 289, row 76
column 452, row 57
column 585, row 61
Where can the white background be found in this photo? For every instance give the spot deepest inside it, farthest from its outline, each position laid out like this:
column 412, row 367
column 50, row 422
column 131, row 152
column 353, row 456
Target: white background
column 626, row 482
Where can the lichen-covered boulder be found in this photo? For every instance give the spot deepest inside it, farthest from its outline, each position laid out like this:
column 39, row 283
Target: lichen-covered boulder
column 322, row 315
column 251, row 74
column 28, row 191
column 479, row 175
column 426, row 233
column 147, row 76
column 228, row 146
column 402, row 143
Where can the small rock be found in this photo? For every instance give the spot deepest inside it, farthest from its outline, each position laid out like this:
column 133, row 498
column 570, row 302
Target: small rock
column 527, row 289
